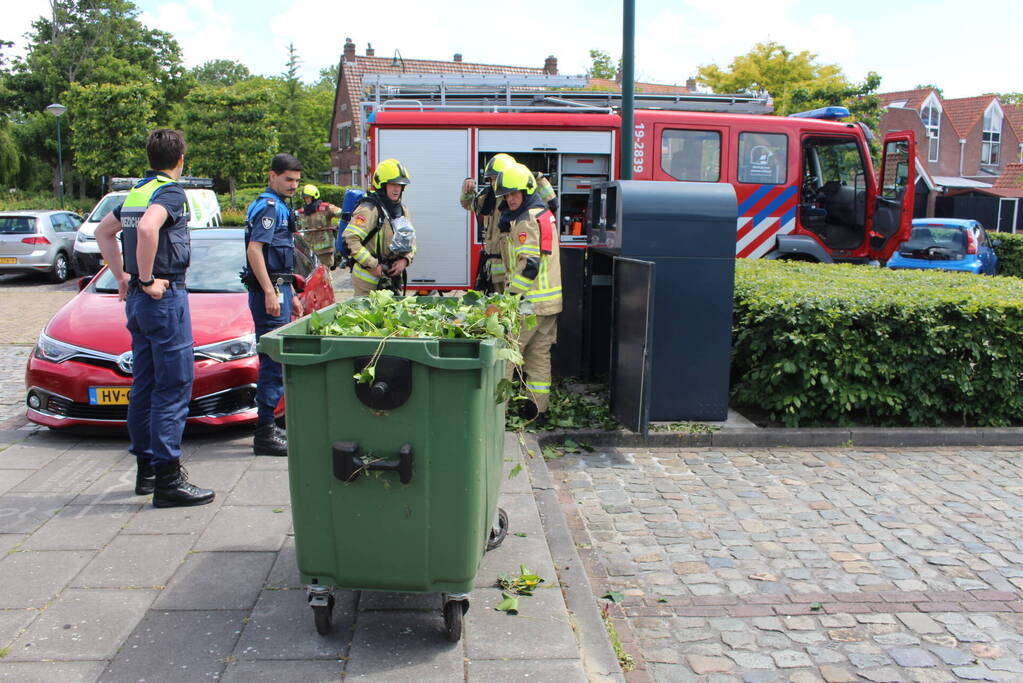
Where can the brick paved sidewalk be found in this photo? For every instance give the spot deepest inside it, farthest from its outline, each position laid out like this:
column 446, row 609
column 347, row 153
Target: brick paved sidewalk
column 803, row 565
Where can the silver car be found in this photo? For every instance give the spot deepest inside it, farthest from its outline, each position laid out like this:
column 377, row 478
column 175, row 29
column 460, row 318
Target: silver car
column 38, row 242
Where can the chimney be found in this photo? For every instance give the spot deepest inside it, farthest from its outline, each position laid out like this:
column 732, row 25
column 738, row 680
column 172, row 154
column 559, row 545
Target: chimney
column 369, row 50
column 349, row 53
column 458, row 57
column 691, row 84
column 550, row 65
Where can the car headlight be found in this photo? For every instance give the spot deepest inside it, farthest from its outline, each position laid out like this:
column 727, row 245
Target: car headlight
column 53, row 350
column 232, row 349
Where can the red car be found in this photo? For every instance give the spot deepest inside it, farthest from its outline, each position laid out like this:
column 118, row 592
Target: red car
column 80, row 371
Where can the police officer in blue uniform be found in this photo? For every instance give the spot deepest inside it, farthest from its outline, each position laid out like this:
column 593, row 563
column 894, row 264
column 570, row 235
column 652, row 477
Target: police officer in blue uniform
column 154, row 224
column 269, row 245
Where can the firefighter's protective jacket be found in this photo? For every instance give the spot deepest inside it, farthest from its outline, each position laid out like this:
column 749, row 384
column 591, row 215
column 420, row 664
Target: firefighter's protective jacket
column 485, row 204
column 367, row 256
column 532, row 256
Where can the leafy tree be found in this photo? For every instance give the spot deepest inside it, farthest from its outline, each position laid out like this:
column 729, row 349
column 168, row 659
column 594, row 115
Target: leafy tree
column 328, row 76
column 291, row 95
column 930, row 86
column 230, row 131
column 108, row 133
column 1010, row 97
column 601, row 65
column 302, row 117
column 220, row 72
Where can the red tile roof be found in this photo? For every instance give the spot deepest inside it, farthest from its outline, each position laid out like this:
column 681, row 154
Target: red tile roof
column 1014, row 114
column 965, row 112
column 914, row 98
column 355, row 68
column 1010, row 183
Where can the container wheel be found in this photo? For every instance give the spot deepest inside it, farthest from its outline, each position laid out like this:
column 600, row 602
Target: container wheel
column 323, row 615
column 454, row 613
column 498, row 535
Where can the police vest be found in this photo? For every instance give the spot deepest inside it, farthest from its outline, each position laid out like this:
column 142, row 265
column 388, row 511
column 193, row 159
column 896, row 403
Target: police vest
column 173, row 250
column 279, row 254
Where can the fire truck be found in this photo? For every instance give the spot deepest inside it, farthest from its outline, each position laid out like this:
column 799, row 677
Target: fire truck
column 805, row 184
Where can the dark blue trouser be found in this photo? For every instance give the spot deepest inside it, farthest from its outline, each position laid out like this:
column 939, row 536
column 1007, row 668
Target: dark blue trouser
column 270, row 387
column 163, row 368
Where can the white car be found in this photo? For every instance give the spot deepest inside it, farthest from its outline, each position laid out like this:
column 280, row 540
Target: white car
column 203, row 212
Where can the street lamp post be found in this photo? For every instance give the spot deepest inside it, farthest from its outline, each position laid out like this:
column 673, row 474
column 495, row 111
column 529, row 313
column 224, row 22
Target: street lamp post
column 57, row 110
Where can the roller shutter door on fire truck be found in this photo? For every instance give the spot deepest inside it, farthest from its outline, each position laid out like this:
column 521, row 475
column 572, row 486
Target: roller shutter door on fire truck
column 438, row 161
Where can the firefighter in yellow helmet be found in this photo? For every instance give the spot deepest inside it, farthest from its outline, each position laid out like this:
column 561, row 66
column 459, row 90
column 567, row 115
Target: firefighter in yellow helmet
column 380, row 236
column 484, row 205
column 532, row 260
column 315, row 219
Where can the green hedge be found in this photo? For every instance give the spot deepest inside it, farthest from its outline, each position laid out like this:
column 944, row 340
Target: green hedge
column 245, row 195
column 44, row 201
column 821, row 344
column 1010, row 253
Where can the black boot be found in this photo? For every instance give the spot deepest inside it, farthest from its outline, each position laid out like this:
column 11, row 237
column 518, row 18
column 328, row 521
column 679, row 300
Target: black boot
column 270, row 440
column 145, row 477
column 173, row 489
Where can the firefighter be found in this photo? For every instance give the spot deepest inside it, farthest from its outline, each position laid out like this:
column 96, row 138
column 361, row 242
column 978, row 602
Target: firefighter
column 380, row 236
column 532, row 261
column 316, row 219
column 484, row 204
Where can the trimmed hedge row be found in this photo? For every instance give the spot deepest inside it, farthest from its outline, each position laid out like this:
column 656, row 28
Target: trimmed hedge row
column 818, row 344
column 243, row 196
column 1010, row 253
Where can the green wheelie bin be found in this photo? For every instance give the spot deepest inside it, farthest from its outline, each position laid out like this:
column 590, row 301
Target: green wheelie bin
column 394, row 484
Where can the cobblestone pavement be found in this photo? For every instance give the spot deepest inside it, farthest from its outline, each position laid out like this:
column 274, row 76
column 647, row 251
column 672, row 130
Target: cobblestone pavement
column 13, row 359
column 802, row 565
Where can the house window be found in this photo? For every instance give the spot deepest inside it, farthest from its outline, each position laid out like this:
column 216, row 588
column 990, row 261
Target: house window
column 991, row 143
column 344, row 135
column 931, row 117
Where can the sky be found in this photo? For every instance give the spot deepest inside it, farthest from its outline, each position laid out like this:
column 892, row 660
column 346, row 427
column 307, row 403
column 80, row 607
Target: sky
column 909, row 43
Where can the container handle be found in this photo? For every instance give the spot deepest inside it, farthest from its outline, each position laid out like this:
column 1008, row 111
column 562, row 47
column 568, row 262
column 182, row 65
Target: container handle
column 349, row 464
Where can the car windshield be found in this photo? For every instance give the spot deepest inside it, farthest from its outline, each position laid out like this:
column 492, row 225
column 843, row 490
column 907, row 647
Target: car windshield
column 926, row 236
column 17, row 225
column 214, row 267
column 105, row 206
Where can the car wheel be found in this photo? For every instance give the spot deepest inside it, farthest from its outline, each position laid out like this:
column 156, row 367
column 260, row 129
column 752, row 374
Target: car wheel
column 61, row 268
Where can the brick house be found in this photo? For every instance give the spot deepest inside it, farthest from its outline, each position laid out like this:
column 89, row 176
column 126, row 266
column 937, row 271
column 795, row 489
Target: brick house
column 963, row 146
column 345, row 124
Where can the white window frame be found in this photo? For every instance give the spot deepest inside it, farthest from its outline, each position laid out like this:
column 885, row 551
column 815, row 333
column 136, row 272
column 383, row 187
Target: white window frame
column 991, row 137
column 932, row 125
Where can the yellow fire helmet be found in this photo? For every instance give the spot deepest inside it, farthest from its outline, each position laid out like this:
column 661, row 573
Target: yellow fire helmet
column 390, row 171
column 311, row 191
column 498, row 163
column 515, row 177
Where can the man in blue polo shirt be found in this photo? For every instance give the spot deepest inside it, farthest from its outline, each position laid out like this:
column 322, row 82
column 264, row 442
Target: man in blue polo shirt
column 270, row 251
column 154, row 223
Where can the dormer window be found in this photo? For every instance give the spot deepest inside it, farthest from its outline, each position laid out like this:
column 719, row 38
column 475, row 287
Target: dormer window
column 991, row 143
column 930, row 114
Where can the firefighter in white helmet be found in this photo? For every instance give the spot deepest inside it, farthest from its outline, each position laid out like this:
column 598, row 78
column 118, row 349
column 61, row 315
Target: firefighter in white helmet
column 532, row 260
column 380, row 236
column 484, row 204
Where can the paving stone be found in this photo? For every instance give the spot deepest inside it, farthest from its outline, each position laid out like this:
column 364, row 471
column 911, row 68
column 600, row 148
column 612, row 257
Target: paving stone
column 751, row 660
column 968, row 634
column 867, row 660
column 705, row 665
column 790, row 659
column 952, row 656
column 768, row 623
column 267, row 671
column 930, row 676
column 761, row 676
column 485, row 671
column 837, row 674
column 12, row 622
column 23, row 513
column 135, row 561
column 245, row 528
column 281, row 627
column 883, row 675
column 739, row 640
column 177, row 646
column 975, row 673
column 914, row 657
column 920, row 623
column 185, row 520
column 32, row 579
column 83, row 625
column 48, row 672
column 495, row 635
column 260, row 487
column 222, row 580
column 388, row 644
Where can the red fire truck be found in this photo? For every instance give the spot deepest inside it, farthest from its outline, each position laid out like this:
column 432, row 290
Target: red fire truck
column 805, row 184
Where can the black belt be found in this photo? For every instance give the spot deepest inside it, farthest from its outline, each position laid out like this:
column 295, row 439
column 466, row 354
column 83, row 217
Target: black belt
column 171, row 278
column 250, row 280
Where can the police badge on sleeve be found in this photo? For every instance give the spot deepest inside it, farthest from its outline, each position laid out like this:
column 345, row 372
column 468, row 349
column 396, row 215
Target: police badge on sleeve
column 268, row 223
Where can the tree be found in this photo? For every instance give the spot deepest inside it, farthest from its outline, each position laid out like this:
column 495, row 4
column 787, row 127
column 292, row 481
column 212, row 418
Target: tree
column 930, row 86
column 796, row 82
column 230, row 131
column 291, row 96
column 220, row 72
column 601, row 65
column 302, row 117
column 108, row 133
column 1010, row 97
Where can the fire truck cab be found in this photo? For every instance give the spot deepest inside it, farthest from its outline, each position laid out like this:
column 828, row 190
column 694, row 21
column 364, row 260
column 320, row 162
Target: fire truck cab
column 805, row 184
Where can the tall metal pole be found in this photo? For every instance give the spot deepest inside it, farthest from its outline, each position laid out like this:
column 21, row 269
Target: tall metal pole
column 628, row 86
column 60, row 168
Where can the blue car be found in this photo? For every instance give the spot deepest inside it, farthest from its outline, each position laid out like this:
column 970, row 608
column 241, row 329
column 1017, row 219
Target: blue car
column 957, row 244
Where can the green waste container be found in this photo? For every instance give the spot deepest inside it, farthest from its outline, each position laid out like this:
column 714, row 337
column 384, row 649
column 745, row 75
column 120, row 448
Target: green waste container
column 394, row 485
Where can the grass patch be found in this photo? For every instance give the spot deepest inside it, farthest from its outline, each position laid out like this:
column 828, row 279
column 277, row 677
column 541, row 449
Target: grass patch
column 625, row 660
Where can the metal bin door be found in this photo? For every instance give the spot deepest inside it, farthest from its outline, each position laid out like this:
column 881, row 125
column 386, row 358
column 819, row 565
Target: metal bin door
column 631, row 334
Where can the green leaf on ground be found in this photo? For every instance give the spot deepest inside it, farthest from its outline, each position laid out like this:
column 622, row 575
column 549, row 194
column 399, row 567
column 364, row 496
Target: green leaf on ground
column 515, row 471
column 613, row 596
column 510, row 604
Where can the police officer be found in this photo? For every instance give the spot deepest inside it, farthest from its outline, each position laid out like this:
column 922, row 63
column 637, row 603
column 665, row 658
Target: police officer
column 380, row 237
column 154, row 224
column 316, row 218
column 484, row 205
column 532, row 261
column 270, row 250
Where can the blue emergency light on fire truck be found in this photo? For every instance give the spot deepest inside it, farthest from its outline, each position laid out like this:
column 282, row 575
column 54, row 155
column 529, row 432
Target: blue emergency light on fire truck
column 805, row 183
